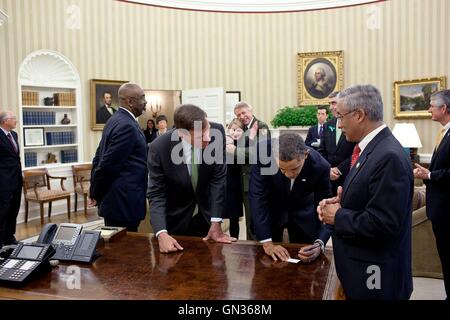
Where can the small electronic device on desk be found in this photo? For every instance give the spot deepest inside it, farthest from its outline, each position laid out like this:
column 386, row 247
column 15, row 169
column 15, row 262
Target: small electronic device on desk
column 111, row 233
column 27, row 260
column 70, row 242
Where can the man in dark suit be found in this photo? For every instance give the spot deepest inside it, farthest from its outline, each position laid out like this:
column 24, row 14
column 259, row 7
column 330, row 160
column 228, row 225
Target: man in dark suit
column 106, row 110
column 315, row 132
column 288, row 197
column 335, row 148
column 187, row 180
column 437, row 178
column 371, row 215
column 254, row 130
column 119, row 168
column 10, row 178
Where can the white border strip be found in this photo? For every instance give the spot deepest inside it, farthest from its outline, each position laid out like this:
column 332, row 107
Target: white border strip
column 252, row 5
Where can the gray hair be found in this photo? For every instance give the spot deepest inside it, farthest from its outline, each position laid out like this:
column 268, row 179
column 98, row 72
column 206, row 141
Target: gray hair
column 290, row 146
column 243, row 104
column 441, row 98
column 333, row 94
column 4, row 115
column 366, row 97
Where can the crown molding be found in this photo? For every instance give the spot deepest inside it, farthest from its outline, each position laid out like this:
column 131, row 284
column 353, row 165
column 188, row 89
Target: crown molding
column 253, row 6
column 3, row 18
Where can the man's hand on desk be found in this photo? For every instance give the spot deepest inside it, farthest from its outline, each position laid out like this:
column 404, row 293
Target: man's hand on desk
column 309, row 253
column 275, row 251
column 167, row 243
column 215, row 233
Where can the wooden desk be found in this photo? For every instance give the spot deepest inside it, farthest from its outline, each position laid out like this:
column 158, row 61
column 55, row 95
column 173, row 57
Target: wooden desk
column 132, row 268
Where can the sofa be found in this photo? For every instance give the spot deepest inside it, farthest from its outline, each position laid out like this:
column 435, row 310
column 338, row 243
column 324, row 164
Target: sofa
column 425, row 258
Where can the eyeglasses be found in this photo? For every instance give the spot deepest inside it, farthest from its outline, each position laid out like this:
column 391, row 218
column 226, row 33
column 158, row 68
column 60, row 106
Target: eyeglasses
column 340, row 116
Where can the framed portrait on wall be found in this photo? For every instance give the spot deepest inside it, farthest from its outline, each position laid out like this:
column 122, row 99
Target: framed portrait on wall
column 412, row 97
column 318, row 75
column 104, row 101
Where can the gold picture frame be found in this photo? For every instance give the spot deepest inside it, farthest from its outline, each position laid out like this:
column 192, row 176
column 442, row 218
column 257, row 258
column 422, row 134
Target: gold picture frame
column 99, row 113
column 318, row 75
column 412, row 97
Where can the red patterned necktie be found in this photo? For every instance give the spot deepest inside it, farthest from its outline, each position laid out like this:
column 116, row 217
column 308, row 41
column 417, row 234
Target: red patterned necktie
column 355, row 155
column 12, row 142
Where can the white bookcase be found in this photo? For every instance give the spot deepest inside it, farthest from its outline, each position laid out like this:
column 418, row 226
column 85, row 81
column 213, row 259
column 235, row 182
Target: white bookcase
column 42, row 74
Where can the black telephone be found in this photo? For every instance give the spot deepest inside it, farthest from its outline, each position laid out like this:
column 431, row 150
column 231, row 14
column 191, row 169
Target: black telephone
column 27, row 260
column 70, row 242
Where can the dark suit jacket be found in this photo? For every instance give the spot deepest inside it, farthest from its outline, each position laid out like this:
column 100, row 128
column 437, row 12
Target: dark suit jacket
column 438, row 188
column 119, row 170
column 272, row 202
column 312, row 136
column 10, row 168
column 103, row 115
column 170, row 192
column 337, row 155
column 373, row 227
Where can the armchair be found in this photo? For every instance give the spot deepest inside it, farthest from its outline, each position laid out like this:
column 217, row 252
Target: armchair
column 37, row 188
column 81, row 182
column 425, row 258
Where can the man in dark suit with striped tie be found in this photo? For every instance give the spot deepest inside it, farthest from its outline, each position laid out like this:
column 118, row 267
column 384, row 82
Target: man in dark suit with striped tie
column 10, row 178
column 437, row 181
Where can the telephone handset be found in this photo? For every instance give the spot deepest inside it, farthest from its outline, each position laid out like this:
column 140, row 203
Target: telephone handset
column 70, row 242
column 27, row 260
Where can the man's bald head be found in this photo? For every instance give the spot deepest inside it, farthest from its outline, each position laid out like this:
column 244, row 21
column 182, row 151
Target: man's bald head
column 132, row 97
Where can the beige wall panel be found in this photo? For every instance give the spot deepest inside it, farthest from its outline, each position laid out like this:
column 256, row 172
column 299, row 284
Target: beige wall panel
column 253, row 53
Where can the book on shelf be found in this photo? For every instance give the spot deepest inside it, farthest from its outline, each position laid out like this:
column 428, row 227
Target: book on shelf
column 60, row 137
column 39, row 118
column 30, row 159
column 64, row 98
column 68, row 156
column 30, row 98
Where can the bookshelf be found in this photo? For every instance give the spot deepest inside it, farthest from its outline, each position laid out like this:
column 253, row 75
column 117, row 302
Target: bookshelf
column 49, row 91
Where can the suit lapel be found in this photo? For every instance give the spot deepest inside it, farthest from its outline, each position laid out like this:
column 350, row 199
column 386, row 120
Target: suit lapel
column 440, row 147
column 8, row 143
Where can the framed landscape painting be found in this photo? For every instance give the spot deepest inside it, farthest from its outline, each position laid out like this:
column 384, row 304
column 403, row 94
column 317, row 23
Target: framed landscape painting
column 412, row 97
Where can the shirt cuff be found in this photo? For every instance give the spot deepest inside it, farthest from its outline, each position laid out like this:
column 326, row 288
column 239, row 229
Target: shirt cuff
column 160, row 231
column 322, row 245
column 266, row 240
column 216, row 219
column 429, row 175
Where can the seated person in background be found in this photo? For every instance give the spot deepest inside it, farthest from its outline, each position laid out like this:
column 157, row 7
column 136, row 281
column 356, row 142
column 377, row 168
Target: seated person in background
column 150, row 131
column 288, row 198
column 315, row 132
column 161, row 122
column 234, row 200
column 187, row 184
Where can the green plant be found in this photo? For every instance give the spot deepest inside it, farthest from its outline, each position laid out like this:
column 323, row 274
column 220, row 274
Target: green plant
column 295, row 116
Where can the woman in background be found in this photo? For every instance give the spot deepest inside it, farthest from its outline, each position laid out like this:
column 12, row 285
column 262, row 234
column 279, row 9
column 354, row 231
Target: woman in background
column 150, row 131
column 234, row 202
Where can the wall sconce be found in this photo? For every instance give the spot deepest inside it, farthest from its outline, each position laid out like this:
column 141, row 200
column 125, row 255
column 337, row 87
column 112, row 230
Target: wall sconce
column 155, row 105
column 408, row 137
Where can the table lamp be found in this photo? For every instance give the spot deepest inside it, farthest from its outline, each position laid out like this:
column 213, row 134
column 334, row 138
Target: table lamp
column 408, row 137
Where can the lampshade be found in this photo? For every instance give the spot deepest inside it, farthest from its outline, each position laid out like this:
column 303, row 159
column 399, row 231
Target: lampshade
column 407, row 135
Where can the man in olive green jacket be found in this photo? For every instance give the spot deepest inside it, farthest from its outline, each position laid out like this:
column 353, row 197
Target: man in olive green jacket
column 254, row 131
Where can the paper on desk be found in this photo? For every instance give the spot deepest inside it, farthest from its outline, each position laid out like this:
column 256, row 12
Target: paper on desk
column 291, row 260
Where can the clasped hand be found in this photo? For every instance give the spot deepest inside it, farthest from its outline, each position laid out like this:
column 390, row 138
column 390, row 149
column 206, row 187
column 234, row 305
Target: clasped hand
column 327, row 208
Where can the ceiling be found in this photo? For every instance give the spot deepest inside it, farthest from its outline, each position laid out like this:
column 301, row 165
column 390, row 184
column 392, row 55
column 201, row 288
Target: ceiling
column 253, row 5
